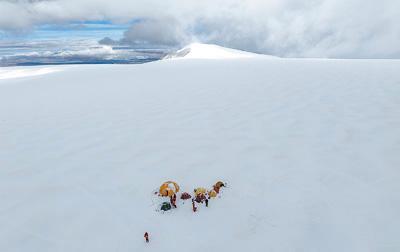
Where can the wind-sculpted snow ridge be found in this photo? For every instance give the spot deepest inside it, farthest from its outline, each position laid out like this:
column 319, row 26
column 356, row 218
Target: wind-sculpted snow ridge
column 208, row 51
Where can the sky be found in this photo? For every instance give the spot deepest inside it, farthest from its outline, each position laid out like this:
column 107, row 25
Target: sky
column 287, row 28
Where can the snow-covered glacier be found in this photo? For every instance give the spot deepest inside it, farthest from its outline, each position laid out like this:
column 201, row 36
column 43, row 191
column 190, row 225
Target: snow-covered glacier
column 309, row 149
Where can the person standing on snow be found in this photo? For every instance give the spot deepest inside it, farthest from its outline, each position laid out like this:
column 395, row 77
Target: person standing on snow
column 146, row 236
column 194, row 206
column 173, row 200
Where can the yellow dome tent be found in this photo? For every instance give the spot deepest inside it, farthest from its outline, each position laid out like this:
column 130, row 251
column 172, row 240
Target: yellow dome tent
column 212, row 193
column 200, row 190
column 168, row 189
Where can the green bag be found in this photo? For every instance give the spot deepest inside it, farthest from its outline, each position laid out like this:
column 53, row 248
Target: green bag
column 166, row 206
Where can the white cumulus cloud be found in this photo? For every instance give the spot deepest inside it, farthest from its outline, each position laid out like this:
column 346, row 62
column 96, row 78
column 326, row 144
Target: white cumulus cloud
column 313, row 28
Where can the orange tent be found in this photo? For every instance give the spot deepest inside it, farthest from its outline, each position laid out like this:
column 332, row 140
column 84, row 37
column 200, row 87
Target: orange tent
column 219, row 184
column 168, row 189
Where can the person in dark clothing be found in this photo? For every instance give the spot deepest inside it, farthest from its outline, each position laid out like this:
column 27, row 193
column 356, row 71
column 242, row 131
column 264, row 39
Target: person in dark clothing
column 193, row 206
column 146, row 236
column 200, row 198
column 206, row 202
column 174, row 197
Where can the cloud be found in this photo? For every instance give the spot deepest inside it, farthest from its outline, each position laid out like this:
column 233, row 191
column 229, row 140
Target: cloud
column 163, row 32
column 293, row 28
column 156, row 32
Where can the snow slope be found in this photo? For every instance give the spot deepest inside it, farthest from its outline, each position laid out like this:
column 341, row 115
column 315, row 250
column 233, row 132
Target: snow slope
column 309, row 148
column 16, row 72
column 209, row 51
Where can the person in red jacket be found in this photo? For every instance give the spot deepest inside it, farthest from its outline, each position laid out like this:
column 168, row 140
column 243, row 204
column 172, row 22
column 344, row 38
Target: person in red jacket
column 146, row 236
column 173, row 200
